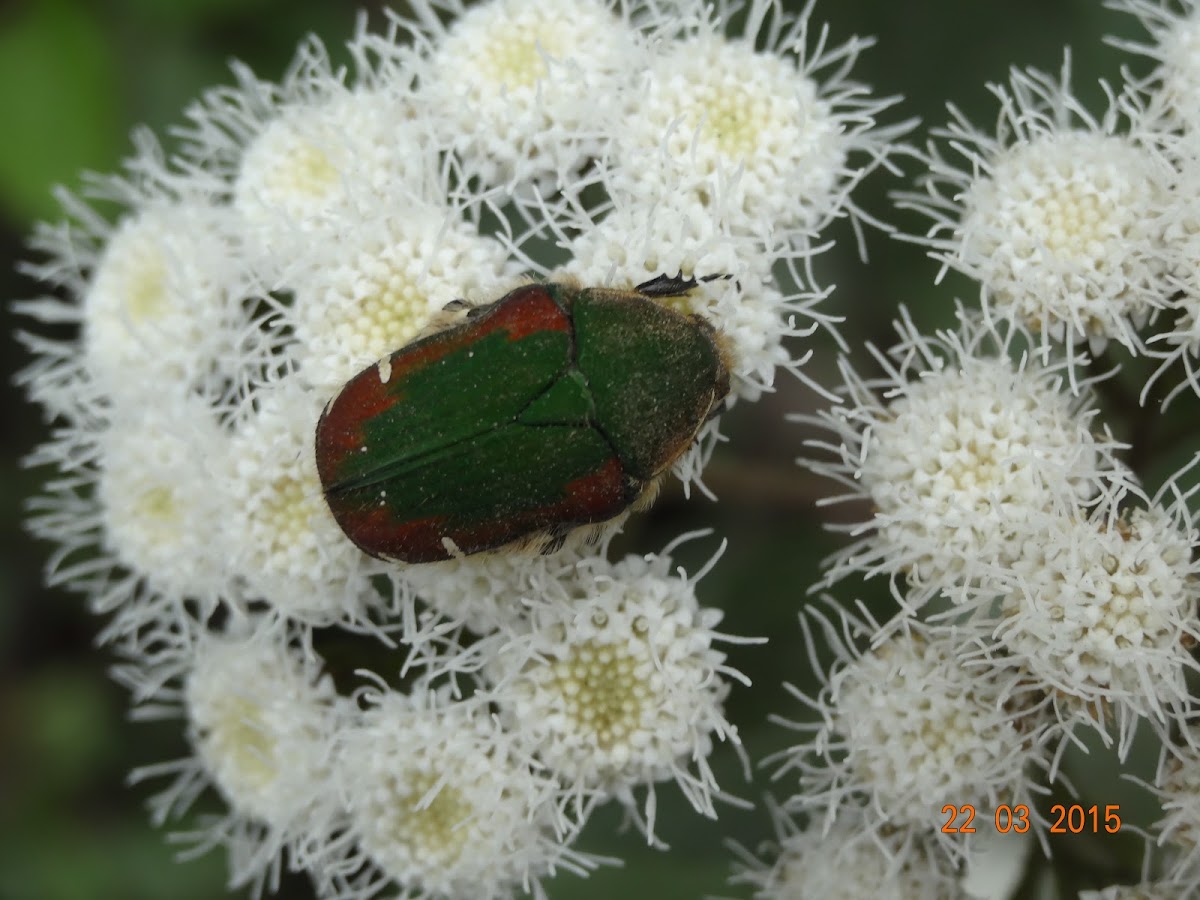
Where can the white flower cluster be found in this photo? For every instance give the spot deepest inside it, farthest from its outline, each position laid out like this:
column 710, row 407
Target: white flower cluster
column 297, row 233
column 1082, row 227
column 1044, row 598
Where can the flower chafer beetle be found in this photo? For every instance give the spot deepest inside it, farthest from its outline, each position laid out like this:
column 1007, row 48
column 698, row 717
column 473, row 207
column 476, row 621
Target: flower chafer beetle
column 555, row 407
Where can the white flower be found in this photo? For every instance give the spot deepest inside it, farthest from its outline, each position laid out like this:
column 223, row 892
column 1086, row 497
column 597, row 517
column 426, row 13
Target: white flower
column 1101, row 609
column 304, row 176
column 845, row 860
column 160, row 295
column 286, row 545
column 132, row 510
column 162, row 517
column 1177, row 787
column 1177, row 337
column 163, row 301
column 910, row 729
column 261, row 719
column 1174, row 28
column 375, row 288
column 439, row 803
column 296, row 159
column 526, row 91
column 1057, row 215
column 749, row 112
column 617, row 684
column 964, row 439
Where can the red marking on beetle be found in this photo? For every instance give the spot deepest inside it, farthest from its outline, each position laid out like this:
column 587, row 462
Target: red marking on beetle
column 606, row 488
column 527, row 310
column 339, row 432
column 376, row 530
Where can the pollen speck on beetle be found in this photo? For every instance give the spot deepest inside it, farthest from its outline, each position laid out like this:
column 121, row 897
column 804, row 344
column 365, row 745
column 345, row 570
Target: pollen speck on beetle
column 385, row 370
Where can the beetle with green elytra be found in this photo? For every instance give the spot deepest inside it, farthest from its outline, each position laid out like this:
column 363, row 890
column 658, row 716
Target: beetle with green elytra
column 554, row 408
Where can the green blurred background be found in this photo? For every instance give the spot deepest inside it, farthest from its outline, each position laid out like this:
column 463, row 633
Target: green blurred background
column 77, row 75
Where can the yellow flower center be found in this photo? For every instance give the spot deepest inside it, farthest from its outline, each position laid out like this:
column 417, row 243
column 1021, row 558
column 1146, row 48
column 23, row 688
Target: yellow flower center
column 517, row 58
column 239, row 738
column 733, row 119
column 288, row 508
column 158, row 503
column 435, row 832
column 602, row 691
column 305, row 170
column 147, row 289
